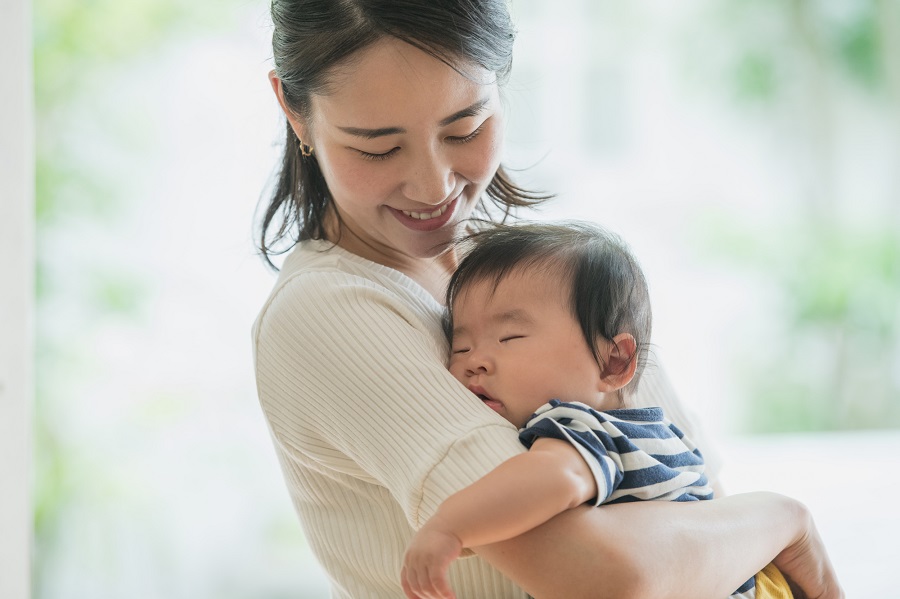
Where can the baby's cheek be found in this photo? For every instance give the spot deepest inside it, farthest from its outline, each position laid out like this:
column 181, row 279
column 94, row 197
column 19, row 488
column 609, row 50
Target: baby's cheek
column 456, row 370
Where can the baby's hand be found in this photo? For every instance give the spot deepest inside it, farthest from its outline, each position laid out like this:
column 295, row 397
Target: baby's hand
column 427, row 559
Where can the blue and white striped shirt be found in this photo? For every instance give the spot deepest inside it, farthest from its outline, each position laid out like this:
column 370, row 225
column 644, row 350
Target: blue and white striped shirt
column 635, row 454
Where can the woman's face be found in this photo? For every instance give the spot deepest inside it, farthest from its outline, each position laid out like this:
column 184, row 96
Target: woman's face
column 407, row 146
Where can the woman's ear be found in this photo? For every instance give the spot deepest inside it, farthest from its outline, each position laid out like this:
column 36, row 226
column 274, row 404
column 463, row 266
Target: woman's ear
column 619, row 362
column 296, row 123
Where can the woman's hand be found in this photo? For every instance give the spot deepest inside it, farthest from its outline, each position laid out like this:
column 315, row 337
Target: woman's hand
column 427, row 559
column 806, row 564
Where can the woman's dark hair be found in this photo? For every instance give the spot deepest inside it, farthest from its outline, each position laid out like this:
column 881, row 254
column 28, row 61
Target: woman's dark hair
column 312, row 37
column 608, row 294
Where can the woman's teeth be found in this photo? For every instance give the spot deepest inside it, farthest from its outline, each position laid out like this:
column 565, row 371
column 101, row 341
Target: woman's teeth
column 426, row 215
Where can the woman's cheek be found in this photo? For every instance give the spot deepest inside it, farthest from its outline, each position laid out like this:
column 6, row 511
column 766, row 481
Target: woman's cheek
column 483, row 157
column 353, row 176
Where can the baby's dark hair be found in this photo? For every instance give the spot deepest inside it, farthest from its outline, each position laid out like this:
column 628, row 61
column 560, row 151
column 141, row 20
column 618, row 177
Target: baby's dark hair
column 608, row 295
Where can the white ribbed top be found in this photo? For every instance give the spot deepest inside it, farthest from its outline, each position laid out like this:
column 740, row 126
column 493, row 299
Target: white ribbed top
column 371, row 430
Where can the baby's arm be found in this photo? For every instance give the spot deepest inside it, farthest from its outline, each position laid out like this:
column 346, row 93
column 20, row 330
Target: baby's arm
column 520, row 494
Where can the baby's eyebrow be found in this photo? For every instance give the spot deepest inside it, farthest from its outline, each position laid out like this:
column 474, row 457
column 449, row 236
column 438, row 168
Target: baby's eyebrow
column 515, row 316
column 457, row 331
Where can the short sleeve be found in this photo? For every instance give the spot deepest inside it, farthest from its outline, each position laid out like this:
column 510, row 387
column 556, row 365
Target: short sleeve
column 656, row 389
column 578, row 425
column 352, row 380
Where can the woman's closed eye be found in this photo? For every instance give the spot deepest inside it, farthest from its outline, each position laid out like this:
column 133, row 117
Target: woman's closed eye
column 452, row 139
column 466, row 138
column 374, row 156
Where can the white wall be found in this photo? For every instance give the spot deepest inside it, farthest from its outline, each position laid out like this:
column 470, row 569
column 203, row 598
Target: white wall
column 16, row 296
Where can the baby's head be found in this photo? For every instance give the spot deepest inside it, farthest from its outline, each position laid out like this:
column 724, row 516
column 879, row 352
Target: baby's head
column 548, row 311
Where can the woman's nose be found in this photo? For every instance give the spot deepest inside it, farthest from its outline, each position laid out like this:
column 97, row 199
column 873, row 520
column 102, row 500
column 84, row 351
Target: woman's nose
column 430, row 179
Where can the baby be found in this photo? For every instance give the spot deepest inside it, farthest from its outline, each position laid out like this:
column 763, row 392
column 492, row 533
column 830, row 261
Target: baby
column 550, row 327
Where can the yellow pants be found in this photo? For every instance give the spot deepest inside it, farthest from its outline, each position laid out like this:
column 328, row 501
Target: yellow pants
column 770, row 584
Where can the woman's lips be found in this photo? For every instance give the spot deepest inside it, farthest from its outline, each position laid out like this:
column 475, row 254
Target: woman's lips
column 427, row 215
column 425, row 220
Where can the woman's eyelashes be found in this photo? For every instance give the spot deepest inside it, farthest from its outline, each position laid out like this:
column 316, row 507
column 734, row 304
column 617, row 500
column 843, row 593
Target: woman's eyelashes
column 466, row 138
column 382, row 156
column 451, row 139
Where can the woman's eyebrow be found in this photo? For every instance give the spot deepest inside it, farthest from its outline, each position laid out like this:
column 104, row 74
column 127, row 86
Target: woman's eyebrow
column 467, row 111
column 472, row 110
column 372, row 133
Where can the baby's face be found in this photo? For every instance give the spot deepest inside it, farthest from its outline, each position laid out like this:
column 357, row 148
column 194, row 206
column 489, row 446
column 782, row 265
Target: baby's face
column 520, row 346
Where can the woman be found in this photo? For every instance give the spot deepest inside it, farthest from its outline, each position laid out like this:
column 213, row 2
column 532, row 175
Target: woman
column 394, row 127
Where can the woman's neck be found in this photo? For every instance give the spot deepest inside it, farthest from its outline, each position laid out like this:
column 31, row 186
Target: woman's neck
column 433, row 276
column 432, row 273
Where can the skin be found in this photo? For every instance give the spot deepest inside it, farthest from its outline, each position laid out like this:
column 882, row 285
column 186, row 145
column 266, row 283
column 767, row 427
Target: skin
column 519, row 345
column 433, row 143
column 591, row 552
column 516, row 346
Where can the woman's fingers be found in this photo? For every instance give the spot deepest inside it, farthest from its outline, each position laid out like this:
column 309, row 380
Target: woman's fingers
column 807, row 565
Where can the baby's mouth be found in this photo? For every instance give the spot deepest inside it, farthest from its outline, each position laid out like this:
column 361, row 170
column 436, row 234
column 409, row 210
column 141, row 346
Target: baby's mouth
column 489, row 401
column 492, row 404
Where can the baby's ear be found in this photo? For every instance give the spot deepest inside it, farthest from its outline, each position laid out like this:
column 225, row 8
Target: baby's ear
column 619, row 359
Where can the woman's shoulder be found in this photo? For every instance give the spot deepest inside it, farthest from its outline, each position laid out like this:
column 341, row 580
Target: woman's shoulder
column 316, row 255
column 321, row 281
column 317, row 262
column 316, row 269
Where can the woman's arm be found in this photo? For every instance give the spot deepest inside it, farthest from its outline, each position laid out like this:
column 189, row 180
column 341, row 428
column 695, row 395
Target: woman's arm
column 521, row 493
column 661, row 549
column 358, row 389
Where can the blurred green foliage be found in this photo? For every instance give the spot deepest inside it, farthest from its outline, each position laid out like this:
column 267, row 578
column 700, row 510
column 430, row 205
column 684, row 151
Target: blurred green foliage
column 836, row 311
column 766, row 46
column 858, row 47
column 81, row 48
column 836, row 282
column 755, row 75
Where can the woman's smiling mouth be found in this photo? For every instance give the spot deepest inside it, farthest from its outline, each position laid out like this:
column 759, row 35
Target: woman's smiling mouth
column 430, row 220
column 426, row 215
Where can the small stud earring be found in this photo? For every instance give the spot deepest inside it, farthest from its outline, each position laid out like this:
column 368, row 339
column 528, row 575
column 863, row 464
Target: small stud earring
column 306, row 150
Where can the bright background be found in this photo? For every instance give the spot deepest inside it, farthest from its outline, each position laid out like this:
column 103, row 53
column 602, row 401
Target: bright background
column 749, row 152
